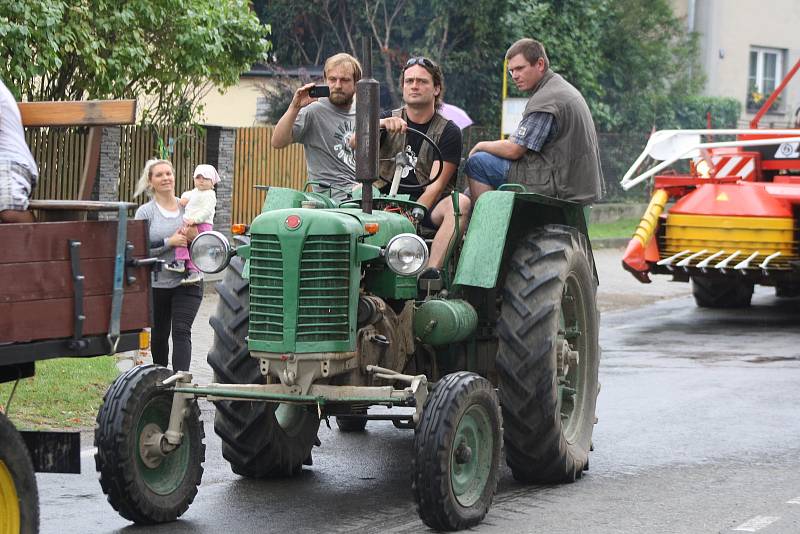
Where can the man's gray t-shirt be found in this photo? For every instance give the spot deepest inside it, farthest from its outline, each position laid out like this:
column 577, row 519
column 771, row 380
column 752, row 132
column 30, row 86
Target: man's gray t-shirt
column 325, row 131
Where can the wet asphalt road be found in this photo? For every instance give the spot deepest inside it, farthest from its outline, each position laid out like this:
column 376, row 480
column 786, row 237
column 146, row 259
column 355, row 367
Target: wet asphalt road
column 698, row 432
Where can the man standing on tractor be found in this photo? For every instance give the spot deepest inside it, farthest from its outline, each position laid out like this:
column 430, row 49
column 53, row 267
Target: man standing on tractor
column 422, row 83
column 554, row 149
column 18, row 171
column 324, row 126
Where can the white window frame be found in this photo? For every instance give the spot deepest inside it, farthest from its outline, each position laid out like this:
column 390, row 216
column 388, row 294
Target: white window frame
column 761, row 53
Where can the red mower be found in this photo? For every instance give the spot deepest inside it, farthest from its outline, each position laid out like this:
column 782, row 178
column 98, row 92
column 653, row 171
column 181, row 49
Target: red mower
column 731, row 221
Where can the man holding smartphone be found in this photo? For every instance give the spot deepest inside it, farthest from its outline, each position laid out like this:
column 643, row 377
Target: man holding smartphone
column 324, row 125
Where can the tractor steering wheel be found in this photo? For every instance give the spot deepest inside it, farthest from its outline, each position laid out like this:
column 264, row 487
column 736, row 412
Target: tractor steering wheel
column 402, row 162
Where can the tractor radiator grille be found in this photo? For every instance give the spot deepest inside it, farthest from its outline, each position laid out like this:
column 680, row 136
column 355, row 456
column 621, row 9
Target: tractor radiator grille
column 323, row 299
column 266, row 289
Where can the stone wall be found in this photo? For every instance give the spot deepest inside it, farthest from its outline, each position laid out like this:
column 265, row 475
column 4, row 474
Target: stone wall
column 224, row 164
column 107, row 180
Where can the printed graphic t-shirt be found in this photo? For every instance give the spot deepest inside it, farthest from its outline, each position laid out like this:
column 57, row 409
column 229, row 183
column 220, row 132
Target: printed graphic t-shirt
column 325, row 131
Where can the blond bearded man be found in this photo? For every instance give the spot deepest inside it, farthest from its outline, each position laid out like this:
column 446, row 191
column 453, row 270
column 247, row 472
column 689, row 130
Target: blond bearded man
column 324, row 126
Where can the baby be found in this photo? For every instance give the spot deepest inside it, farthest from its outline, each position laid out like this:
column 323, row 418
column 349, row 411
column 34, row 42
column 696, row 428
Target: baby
column 199, row 204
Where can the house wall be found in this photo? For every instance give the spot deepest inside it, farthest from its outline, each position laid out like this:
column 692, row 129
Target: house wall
column 728, row 29
column 235, row 107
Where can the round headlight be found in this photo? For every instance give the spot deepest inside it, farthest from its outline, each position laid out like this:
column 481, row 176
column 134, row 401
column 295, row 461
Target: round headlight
column 210, row 252
column 406, row 254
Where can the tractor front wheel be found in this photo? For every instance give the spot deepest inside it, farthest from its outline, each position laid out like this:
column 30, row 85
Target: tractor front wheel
column 143, row 487
column 19, row 500
column 548, row 356
column 457, row 452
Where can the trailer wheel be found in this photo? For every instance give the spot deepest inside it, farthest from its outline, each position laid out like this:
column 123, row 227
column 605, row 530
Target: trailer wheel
column 457, row 452
column 259, row 439
column 19, row 499
column 548, row 356
column 142, row 488
column 721, row 293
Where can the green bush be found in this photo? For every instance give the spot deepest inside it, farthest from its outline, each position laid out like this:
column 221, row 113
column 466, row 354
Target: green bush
column 691, row 112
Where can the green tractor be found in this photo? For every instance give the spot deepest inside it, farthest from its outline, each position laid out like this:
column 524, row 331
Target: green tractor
column 320, row 315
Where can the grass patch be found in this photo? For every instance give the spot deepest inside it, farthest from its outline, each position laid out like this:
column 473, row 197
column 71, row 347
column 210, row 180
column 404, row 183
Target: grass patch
column 64, row 393
column 611, row 230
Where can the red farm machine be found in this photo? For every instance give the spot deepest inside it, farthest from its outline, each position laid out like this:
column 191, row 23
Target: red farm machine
column 731, row 221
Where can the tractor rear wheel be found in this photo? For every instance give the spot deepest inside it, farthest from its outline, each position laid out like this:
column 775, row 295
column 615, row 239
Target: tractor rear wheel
column 19, row 500
column 548, row 356
column 146, row 488
column 456, row 457
column 259, row 439
column 721, row 293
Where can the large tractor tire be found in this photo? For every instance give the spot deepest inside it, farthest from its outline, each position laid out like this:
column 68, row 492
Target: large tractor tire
column 548, row 356
column 19, row 499
column 144, row 488
column 721, row 293
column 456, row 457
column 259, row 439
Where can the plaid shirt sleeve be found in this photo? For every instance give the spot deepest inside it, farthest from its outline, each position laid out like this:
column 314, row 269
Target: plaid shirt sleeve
column 534, row 131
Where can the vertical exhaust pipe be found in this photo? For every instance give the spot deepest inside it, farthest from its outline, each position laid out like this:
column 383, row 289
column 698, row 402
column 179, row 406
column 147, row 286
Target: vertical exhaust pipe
column 367, row 127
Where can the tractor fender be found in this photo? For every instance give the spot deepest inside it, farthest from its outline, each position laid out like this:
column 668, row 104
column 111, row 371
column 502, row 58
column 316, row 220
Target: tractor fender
column 499, row 218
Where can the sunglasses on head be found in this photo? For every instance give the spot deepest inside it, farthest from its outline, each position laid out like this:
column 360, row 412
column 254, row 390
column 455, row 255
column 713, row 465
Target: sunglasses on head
column 420, row 61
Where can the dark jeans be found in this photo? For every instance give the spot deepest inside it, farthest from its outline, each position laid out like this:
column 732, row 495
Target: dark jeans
column 174, row 309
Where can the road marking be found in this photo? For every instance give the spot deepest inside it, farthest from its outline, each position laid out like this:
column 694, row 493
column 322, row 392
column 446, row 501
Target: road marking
column 796, row 500
column 757, row 523
column 88, row 452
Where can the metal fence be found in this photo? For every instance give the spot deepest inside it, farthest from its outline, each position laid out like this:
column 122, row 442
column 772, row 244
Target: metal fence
column 617, row 153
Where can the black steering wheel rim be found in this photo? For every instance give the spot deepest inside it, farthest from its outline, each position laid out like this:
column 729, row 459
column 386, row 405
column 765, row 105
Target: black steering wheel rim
column 422, row 184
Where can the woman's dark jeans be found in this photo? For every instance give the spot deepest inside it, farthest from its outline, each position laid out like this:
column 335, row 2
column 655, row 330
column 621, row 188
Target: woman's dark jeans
column 174, row 309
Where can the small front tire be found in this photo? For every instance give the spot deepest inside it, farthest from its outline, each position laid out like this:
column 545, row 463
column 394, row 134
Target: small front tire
column 146, row 490
column 457, row 452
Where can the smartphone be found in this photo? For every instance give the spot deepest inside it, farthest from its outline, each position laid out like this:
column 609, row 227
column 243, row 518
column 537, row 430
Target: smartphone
column 319, row 91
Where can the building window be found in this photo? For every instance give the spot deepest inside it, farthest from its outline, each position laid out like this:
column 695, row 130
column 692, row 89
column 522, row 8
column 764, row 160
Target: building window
column 764, row 75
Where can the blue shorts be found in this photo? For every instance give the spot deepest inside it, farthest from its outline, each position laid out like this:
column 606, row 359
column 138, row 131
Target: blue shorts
column 488, row 169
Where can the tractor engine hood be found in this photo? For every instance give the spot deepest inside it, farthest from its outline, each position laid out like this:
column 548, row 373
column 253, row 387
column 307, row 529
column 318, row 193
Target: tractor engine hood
column 375, row 228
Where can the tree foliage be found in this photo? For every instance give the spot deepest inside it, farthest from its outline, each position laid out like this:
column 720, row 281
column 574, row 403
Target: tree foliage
column 633, row 60
column 464, row 37
column 172, row 51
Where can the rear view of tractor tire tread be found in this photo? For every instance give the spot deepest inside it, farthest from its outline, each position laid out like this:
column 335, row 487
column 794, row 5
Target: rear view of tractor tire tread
column 17, row 479
column 118, row 460
column 253, row 442
column 432, row 485
column 721, row 293
column 536, row 447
